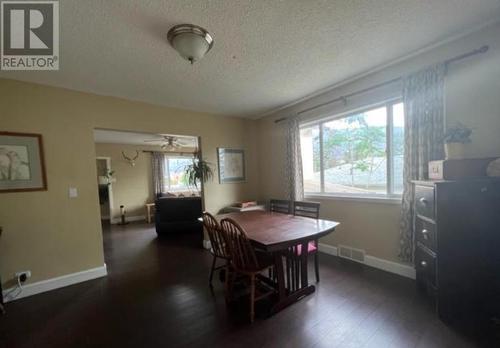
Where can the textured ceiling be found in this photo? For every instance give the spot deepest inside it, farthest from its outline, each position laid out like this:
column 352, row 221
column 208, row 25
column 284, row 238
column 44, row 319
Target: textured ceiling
column 266, row 53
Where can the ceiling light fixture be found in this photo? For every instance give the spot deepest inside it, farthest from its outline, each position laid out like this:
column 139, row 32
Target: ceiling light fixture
column 191, row 41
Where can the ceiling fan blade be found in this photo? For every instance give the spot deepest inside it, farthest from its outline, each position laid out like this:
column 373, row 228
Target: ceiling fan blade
column 168, row 146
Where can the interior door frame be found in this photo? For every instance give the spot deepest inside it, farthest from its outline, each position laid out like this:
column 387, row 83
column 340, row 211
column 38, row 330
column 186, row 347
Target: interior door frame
column 202, row 184
column 110, row 186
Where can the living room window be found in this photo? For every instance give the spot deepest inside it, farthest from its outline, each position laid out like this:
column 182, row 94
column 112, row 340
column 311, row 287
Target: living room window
column 358, row 154
column 175, row 176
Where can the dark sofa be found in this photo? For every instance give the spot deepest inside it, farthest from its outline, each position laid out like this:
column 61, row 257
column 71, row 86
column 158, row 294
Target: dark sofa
column 178, row 215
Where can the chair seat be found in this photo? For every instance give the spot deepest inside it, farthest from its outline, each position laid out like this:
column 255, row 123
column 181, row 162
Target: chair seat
column 311, row 248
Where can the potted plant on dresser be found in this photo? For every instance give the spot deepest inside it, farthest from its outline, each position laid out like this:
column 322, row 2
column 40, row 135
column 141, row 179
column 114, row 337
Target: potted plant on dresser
column 456, row 139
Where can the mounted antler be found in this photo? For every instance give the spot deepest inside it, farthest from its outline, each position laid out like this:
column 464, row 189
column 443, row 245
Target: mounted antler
column 131, row 161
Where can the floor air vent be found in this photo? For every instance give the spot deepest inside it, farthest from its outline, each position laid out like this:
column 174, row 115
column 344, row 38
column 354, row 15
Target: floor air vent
column 357, row 255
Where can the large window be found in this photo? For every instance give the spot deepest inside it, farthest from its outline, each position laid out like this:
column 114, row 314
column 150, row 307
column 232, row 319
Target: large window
column 175, row 177
column 359, row 154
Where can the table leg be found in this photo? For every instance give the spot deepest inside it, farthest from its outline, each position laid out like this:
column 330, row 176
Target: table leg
column 286, row 293
column 303, row 265
column 278, row 267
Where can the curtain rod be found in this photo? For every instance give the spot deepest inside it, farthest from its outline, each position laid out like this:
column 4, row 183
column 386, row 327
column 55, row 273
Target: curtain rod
column 480, row 50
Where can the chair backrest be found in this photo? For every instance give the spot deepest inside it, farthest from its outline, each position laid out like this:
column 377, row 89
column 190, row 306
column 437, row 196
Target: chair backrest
column 280, row 206
column 216, row 236
column 306, row 209
column 241, row 250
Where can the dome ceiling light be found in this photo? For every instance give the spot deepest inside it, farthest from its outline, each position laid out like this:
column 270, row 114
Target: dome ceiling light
column 191, row 41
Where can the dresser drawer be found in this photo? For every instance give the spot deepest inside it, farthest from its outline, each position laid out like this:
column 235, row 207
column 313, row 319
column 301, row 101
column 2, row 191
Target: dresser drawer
column 425, row 265
column 425, row 233
column 424, row 201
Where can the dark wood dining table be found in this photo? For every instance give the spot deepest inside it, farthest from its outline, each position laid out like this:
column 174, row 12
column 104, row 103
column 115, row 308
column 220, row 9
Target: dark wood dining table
column 286, row 237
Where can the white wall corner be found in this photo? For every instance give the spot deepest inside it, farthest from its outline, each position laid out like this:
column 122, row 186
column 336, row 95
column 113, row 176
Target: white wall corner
column 389, row 266
column 55, row 283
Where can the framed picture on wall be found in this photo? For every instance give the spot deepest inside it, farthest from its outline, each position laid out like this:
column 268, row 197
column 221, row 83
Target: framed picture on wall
column 22, row 166
column 231, row 165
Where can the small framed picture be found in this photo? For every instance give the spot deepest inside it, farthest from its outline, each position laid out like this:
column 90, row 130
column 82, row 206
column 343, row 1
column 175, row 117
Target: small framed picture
column 22, row 166
column 231, row 165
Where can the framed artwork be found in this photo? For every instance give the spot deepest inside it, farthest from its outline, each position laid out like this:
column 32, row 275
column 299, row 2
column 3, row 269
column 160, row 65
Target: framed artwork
column 231, row 165
column 22, row 166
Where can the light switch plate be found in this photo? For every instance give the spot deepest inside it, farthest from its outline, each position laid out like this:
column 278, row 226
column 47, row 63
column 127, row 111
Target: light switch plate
column 73, row 192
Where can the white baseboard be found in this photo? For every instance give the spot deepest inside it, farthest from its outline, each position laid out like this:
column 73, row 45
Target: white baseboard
column 115, row 221
column 391, row 266
column 328, row 249
column 55, row 283
column 375, row 262
column 206, row 244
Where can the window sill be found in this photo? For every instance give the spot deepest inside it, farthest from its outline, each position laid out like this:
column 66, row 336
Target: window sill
column 366, row 199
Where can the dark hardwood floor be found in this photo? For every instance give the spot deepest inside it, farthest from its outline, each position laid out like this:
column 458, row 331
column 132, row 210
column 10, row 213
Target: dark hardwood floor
column 157, row 295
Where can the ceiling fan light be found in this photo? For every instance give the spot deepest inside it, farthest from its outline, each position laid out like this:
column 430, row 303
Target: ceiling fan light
column 190, row 46
column 190, row 41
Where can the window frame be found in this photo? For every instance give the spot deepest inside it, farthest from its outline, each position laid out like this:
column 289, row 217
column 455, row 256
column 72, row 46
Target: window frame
column 166, row 177
column 388, row 197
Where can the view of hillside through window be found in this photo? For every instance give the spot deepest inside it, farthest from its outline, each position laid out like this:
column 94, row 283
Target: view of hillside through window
column 175, row 176
column 358, row 154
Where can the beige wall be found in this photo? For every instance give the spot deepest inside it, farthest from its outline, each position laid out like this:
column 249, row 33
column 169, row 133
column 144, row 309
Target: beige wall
column 472, row 97
column 52, row 235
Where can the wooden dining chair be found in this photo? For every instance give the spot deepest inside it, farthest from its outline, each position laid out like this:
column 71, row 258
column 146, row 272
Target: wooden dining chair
column 245, row 261
column 280, row 206
column 310, row 210
column 218, row 245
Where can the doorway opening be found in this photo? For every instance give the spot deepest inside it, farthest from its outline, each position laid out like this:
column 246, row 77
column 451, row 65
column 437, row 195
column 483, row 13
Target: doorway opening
column 104, row 184
column 134, row 169
column 145, row 190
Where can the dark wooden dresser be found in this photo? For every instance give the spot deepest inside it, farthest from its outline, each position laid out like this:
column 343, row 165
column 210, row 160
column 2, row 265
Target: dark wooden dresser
column 457, row 255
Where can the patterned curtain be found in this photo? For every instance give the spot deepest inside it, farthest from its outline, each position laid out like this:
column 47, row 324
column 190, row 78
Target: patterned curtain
column 423, row 96
column 293, row 170
column 158, row 170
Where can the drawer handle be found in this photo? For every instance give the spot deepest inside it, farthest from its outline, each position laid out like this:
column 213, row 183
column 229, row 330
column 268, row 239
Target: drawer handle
column 423, row 264
column 423, row 200
column 425, row 234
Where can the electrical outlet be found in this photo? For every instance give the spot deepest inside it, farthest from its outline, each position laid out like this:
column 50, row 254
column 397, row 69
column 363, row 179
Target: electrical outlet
column 23, row 274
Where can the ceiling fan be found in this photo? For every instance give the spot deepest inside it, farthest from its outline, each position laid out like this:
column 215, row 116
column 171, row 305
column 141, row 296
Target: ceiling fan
column 170, row 142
